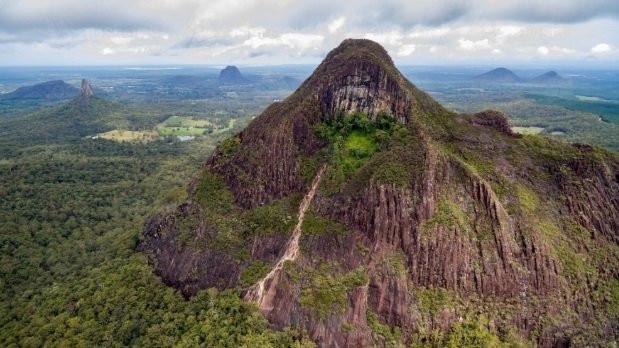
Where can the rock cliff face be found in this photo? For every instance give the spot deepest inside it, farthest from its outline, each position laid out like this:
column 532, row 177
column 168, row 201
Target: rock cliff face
column 86, row 90
column 425, row 223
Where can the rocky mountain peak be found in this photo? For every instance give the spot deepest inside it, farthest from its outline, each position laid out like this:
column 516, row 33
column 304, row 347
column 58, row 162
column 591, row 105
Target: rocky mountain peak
column 86, row 90
column 359, row 76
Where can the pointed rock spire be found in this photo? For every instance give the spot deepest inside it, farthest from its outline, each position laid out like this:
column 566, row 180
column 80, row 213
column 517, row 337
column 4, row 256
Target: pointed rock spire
column 86, row 91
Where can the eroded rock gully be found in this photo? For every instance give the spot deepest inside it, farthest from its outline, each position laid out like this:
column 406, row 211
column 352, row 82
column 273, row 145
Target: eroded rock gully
column 260, row 292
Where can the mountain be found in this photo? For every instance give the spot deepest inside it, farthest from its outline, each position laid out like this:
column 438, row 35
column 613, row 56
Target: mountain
column 498, row 75
column 86, row 90
column 550, row 77
column 48, row 91
column 86, row 114
column 362, row 212
column 230, row 74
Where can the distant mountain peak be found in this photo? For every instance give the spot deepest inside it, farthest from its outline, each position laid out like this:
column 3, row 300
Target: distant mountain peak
column 46, row 91
column 550, row 77
column 500, row 74
column 86, row 91
column 231, row 74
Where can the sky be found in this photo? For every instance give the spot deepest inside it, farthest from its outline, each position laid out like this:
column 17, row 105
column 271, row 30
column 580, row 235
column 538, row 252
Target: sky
column 253, row 32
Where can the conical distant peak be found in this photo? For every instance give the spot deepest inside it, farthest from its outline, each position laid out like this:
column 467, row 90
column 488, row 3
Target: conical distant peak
column 86, row 90
column 360, row 76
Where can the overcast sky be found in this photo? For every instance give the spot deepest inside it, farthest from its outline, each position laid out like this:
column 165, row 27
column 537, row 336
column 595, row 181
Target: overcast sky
column 85, row 32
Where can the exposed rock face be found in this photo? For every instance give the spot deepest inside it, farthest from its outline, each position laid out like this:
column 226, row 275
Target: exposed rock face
column 86, row 90
column 230, row 74
column 458, row 219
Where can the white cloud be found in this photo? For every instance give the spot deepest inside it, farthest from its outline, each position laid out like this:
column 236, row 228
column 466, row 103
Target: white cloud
column 506, row 32
column 470, row 45
column 107, row 51
column 561, row 50
column 601, row 48
column 244, row 31
column 406, row 50
column 121, row 40
column 429, row 33
column 551, row 31
column 543, row 50
column 273, row 31
column 392, row 38
column 301, row 41
column 510, row 30
column 336, row 25
column 291, row 40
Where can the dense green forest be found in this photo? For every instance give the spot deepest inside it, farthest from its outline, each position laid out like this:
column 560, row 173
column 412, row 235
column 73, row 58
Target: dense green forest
column 72, row 212
column 73, row 209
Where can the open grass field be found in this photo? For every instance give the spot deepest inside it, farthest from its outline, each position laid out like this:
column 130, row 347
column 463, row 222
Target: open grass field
column 129, row 136
column 184, row 125
column 528, row 130
column 181, row 125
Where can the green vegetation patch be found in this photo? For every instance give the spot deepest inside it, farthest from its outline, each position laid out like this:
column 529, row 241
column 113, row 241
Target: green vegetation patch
column 471, row 333
column 433, row 300
column 213, row 194
column 309, row 165
column 355, row 141
column 326, row 293
column 546, row 149
column 472, row 160
column 221, row 213
column 613, row 299
column 358, row 145
column 278, row 217
column 314, row 224
column 391, row 336
column 576, row 266
column 186, row 125
column 398, row 165
column 229, row 146
column 393, row 264
column 529, row 202
column 596, row 105
column 449, row 213
column 253, row 272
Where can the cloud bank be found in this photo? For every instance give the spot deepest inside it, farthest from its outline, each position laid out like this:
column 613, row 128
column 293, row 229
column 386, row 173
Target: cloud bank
column 296, row 31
